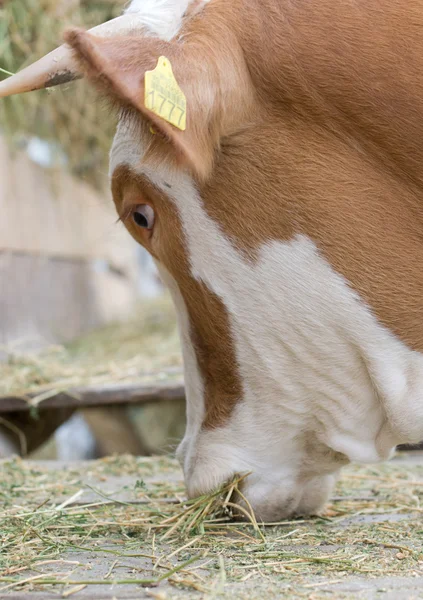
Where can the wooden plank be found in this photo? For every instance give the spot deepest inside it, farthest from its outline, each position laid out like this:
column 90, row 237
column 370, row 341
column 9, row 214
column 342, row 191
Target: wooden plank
column 97, row 396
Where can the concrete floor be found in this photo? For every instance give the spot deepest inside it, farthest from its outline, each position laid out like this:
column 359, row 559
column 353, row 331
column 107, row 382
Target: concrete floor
column 328, row 583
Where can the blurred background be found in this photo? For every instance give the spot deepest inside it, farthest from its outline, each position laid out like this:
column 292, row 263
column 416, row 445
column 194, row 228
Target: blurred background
column 80, row 301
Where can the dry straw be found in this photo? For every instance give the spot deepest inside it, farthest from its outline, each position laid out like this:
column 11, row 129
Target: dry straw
column 128, row 520
column 72, row 117
column 144, row 349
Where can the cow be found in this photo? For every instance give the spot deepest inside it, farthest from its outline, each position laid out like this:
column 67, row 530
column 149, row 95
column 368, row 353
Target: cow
column 286, row 219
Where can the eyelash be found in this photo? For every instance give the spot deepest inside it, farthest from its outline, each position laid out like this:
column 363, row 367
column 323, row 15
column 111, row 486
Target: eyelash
column 125, row 216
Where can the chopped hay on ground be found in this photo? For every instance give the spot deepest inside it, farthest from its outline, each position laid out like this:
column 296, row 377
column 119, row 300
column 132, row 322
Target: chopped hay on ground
column 124, row 523
column 143, row 350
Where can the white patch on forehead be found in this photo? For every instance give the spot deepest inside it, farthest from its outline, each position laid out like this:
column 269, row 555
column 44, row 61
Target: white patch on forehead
column 162, row 18
column 128, row 147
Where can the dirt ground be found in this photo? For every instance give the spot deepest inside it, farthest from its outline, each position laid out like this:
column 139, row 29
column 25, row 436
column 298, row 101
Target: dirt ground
column 121, row 528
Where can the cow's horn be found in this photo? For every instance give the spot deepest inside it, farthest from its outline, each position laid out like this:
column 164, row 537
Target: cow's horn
column 59, row 66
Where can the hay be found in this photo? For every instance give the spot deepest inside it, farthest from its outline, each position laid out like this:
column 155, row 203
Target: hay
column 70, row 117
column 144, row 349
column 142, row 531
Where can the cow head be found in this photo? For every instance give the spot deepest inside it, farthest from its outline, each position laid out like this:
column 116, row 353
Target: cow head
column 248, row 215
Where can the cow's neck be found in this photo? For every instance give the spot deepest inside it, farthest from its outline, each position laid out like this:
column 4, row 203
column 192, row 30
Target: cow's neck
column 347, row 65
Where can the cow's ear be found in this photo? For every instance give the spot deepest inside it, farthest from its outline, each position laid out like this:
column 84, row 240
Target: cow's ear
column 118, row 66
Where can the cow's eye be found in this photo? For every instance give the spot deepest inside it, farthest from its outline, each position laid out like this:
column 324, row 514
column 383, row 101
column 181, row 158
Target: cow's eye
column 143, row 216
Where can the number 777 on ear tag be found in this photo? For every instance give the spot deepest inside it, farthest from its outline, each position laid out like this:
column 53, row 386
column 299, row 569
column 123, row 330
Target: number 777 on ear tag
column 163, row 96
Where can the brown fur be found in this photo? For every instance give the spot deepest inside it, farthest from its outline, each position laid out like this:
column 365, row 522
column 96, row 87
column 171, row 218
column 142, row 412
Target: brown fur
column 315, row 126
column 119, row 68
column 208, row 317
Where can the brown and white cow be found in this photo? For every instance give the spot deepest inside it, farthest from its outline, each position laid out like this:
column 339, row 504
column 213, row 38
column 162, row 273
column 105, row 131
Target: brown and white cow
column 287, row 221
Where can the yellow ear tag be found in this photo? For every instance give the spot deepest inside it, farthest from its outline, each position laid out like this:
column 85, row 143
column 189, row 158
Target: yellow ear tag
column 163, row 96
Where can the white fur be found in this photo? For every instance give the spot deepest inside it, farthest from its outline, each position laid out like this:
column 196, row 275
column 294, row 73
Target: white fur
column 322, row 378
column 323, row 381
column 314, row 362
column 162, row 18
column 193, row 381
